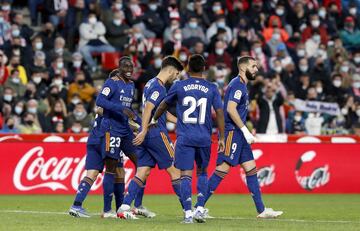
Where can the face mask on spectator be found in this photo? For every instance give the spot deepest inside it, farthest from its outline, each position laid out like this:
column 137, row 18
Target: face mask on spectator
column 183, row 57
column 38, row 45
column 36, row 79
column 177, row 36
column 315, row 23
column 297, row 118
column 138, row 35
column 157, row 63
column 337, row 83
column 344, row 69
column 58, row 82
column 319, row 90
column 278, row 69
column 117, row 22
column 59, row 50
column 357, row 59
column 316, row 38
column 15, row 80
column 1, row 19
column 219, row 51
column 356, row 85
column 75, row 101
column 6, row 8
column 15, row 33
column 79, row 115
column 10, row 126
column 18, row 110
column 193, row 25
column 276, row 36
column 301, row 53
column 344, row 111
column 153, row 7
column 92, row 20
column 257, row 50
column 32, row 110
column 216, row 8
column 60, row 65
column 76, row 129
column 322, row 13
column 77, row 63
column 221, row 24
column 157, row 50
column 220, row 81
column 304, row 68
column 279, row 11
column 29, row 122
column 330, row 43
column 358, row 112
column 352, row 11
column 7, row 97
column 118, row 6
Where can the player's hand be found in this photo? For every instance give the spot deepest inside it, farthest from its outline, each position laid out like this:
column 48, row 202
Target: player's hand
column 248, row 136
column 99, row 110
column 139, row 138
column 153, row 123
column 221, row 145
column 130, row 114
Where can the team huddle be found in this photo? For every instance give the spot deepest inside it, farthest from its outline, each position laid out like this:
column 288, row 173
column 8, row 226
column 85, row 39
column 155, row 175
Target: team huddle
column 118, row 131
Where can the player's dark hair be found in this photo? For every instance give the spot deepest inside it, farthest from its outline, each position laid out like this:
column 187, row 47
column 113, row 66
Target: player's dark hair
column 124, row 58
column 196, row 63
column 171, row 61
column 245, row 60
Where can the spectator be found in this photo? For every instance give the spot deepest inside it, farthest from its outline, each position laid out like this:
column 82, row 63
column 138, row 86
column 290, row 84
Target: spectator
column 220, row 56
column 59, row 127
column 197, row 10
column 355, row 87
column 18, row 112
column 275, row 42
column 313, row 124
column 14, row 64
column 39, row 66
column 9, row 126
column 168, row 32
column 85, row 90
column 297, row 124
column 52, row 97
column 4, row 30
column 193, row 32
column 215, row 26
column 60, row 51
column 8, row 97
column 56, row 10
column 58, row 68
column 275, row 26
column 15, row 83
column 28, row 126
column 4, row 72
column 80, row 115
column 154, row 19
column 48, row 35
column 38, row 78
column 133, row 12
column 117, row 31
column 315, row 28
column 76, row 66
column 57, row 114
column 32, row 107
column 270, row 121
column 173, row 46
column 350, row 35
column 76, row 128
column 92, row 40
column 25, row 31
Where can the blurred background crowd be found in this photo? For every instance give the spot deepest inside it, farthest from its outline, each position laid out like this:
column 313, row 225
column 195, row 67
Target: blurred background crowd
column 55, row 54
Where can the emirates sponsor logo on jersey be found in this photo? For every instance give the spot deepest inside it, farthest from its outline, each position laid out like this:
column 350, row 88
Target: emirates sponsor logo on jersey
column 309, row 177
column 39, row 170
column 265, row 174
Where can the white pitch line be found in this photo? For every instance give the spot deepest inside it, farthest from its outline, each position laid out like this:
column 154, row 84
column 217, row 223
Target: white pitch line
column 215, row 218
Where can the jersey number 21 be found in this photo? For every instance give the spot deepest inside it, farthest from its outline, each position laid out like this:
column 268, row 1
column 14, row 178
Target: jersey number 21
column 193, row 103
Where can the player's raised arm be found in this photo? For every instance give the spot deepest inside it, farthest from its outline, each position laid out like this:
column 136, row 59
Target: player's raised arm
column 103, row 99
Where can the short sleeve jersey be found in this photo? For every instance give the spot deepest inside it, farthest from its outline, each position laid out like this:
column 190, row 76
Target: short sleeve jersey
column 194, row 99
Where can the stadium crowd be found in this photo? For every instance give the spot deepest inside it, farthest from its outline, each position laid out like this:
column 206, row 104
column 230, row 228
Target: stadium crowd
column 306, row 49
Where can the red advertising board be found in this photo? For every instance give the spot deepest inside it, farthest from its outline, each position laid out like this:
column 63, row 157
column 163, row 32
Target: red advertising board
column 56, row 168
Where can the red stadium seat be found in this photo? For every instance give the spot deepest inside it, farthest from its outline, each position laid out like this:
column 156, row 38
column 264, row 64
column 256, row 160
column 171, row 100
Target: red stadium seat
column 110, row 60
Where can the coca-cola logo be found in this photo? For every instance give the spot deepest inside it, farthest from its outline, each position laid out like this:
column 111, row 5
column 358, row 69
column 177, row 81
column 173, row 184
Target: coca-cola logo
column 266, row 174
column 317, row 178
column 37, row 170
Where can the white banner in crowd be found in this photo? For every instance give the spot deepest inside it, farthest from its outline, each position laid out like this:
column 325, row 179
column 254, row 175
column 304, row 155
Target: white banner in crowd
column 317, row 106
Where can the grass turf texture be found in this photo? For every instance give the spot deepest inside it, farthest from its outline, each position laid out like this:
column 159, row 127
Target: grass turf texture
column 231, row 212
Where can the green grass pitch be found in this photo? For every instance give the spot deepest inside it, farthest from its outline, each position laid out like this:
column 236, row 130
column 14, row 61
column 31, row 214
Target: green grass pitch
column 231, row 212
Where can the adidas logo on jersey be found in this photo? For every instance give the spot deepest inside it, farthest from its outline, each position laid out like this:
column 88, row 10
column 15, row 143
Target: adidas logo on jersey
column 122, row 91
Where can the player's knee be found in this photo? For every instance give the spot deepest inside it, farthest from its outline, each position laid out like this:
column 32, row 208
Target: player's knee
column 251, row 172
column 111, row 165
column 173, row 172
column 224, row 167
column 142, row 173
column 92, row 174
column 248, row 165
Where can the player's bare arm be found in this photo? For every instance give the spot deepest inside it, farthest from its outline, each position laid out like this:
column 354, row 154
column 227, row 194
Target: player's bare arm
column 234, row 115
column 221, row 126
column 171, row 118
column 161, row 109
column 146, row 115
